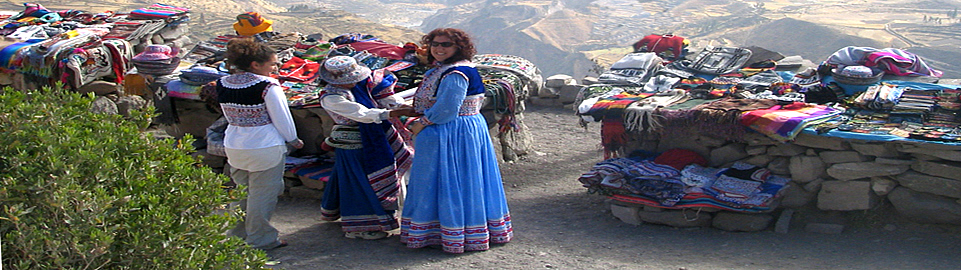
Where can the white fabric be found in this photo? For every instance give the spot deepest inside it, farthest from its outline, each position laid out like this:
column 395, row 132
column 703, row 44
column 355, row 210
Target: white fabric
column 282, row 130
column 256, row 159
column 636, row 61
column 344, row 106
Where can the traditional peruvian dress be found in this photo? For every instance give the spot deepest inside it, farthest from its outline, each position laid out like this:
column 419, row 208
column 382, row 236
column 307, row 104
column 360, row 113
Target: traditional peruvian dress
column 370, row 155
column 455, row 195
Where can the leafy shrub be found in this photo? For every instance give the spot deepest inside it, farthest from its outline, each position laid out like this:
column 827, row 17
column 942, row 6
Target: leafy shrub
column 81, row 190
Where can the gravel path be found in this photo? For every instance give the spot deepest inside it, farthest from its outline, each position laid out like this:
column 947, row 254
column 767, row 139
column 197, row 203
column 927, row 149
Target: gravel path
column 558, row 225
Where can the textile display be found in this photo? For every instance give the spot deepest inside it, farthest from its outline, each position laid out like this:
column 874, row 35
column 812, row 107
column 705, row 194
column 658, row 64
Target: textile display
column 741, row 187
column 785, row 122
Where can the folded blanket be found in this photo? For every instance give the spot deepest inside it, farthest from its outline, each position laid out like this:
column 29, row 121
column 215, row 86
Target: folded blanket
column 785, row 122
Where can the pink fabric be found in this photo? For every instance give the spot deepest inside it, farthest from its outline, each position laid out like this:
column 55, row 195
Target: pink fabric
column 378, row 48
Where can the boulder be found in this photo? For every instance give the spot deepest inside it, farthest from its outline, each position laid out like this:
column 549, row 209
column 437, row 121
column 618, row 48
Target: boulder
column 883, row 185
column 925, row 207
column 942, row 152
column 780, row 165
column 950, row 170
column 755, row 150
column 128, row 104
column 895, row 161
column 930, row 184
column 794, row 196
column 806, row 168
column 784, row 221
column 728, row 153
column 832, row 157
column 627, row 214
column 760, row 161
column 876, row 149
column 677, row 218
column 568, row 93
column 786, row 149
column 847, row 196
column 857, row 170
column 820, row 142
column 558, row 80
column 104, row 105
column 589, row 80
column 100, row 88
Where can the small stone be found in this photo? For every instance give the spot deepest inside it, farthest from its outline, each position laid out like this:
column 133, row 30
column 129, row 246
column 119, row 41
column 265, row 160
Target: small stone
column 627, row 214
column 890, row 227
column 784, row 221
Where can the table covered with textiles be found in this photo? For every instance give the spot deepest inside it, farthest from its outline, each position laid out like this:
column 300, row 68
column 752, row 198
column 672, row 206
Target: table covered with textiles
column 891, row 97
column 75, row 47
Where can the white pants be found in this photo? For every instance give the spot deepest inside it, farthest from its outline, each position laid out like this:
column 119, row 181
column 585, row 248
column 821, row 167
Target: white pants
column 263, row 188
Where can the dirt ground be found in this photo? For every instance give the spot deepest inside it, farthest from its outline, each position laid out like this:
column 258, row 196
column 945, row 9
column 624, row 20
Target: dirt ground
column 558, row 225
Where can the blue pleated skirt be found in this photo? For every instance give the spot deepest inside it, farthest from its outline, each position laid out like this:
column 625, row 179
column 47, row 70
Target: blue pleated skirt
column 455, row 197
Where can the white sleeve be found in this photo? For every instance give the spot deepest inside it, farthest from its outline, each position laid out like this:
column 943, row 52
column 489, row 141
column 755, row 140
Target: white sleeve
column 391, row 102
column 352, row 110
column 279, row 112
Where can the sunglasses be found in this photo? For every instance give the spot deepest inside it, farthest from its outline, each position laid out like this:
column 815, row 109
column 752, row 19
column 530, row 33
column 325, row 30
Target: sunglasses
column 441, row 44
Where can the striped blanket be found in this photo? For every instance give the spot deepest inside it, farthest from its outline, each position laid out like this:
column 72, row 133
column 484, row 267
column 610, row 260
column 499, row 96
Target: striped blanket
column 158, row 11
column 785, row 122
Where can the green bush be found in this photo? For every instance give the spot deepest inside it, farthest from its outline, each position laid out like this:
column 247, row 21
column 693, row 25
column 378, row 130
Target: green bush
column 81, row 190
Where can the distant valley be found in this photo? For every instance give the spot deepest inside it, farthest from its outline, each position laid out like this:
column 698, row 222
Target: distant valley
column 572, row 36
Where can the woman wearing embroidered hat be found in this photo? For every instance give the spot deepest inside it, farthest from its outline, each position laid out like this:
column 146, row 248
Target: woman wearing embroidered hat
column 251, row 23
column 259, row 125
column 456, row 198
column 371, row 156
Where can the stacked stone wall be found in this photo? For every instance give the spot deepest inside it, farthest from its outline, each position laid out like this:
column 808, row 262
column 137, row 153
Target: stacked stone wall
column 917, row 181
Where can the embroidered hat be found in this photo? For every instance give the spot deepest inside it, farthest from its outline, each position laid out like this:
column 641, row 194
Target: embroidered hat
column 251, row 23
column 856, row 75
column 155, row 53
column 343, row 70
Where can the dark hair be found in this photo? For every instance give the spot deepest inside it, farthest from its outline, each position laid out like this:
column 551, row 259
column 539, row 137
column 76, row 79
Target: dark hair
column 465, row 48
column 241, row 52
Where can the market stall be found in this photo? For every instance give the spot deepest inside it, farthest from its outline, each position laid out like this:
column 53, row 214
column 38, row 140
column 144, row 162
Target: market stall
column 724, row 131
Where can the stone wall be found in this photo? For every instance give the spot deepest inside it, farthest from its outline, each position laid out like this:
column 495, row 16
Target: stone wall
column 921, row 182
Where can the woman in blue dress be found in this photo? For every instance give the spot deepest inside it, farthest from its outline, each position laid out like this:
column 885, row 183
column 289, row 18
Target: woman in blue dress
column 455, row 196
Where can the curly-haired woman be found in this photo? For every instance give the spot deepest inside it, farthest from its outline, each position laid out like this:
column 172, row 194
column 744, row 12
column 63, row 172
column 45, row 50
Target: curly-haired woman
column 255, row 141
column 455, row 197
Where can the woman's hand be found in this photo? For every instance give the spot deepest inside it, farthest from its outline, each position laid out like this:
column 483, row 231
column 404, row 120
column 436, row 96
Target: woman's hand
column 297, row 144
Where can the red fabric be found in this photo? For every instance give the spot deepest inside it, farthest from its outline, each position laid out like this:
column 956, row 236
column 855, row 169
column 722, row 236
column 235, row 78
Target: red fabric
column 299, row 70
column 661, row 43
column 680, row 158
column 613, row 137
column 389, row 51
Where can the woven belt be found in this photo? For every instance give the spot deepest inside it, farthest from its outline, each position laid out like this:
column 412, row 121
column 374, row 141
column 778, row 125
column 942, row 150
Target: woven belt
column 344, row 137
